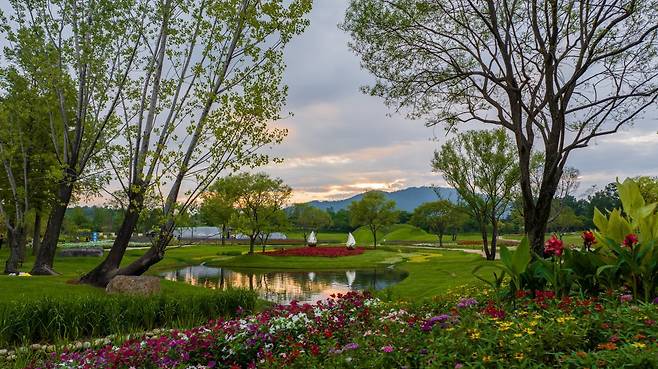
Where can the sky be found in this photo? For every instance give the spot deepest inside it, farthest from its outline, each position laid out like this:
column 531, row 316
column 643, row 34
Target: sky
column 342, row 142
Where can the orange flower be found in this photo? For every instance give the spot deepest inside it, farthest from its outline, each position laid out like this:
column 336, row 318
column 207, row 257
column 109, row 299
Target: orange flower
column 607, row 346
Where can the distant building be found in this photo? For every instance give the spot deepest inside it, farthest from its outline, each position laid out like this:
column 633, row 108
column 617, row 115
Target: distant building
column 214, row 233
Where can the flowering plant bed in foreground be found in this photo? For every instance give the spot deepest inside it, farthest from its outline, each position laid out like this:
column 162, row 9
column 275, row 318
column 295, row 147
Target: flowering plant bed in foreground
column 330, row 252
column 358, row 331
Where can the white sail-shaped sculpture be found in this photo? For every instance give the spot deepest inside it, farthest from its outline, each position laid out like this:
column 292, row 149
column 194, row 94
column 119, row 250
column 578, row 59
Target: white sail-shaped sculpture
column 312, row 240
column 351, row 242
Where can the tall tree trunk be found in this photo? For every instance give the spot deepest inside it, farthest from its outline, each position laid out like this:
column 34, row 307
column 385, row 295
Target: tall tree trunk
column 105, row 271
column 36, row 236
column 14, row 238
column 374, row 236
column 485, row 240
column 252, row 241
column 223, row 234
column 43, row 264
column 494, row 237
column 440, row 239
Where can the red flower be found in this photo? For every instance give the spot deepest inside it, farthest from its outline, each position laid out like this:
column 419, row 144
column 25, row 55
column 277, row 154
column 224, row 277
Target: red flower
column 588, row 239
column 554, row 246
column 630, row 240
column 330, row 252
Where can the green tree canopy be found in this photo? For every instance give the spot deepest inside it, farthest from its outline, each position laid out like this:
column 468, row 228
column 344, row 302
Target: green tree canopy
column 435, row 217
column 308, row 218
column 482, row 167
column 373, row 211
column 258, row 204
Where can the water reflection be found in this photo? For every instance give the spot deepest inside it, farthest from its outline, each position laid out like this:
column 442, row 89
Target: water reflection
column 283, row 287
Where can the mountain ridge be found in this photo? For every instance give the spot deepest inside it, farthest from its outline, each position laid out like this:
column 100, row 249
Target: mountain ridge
column 406, row 199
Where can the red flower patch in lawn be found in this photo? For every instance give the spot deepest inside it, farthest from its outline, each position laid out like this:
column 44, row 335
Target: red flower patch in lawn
column 330, row 252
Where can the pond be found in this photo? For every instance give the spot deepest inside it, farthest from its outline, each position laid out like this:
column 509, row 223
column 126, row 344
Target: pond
column 284, row 286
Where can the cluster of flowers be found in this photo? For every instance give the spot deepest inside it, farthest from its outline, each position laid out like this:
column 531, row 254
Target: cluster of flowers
column 357, row 330
column 329, row 251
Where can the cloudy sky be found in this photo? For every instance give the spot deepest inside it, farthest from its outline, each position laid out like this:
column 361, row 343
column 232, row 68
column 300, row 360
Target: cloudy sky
column 342, row 142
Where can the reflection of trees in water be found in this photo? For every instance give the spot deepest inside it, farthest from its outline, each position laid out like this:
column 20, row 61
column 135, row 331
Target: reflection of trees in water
column 286, row 286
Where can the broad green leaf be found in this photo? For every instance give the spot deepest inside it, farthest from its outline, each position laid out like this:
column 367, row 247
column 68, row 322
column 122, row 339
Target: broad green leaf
column 600, row 220
column 521, row 257
column 630, row 196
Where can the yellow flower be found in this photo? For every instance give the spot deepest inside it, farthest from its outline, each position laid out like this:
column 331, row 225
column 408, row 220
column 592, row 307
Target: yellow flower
column 537, row 316
column 533, row 323
column 519, row 356
column 638, row 345
column 504, row 326
column 529, row 331
column 563, row 319
column 486, row 358
column 517, row 335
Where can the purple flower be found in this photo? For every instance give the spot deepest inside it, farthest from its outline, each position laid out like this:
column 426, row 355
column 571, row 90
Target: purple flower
column 387, row 348
column 351, row 346
column 459, row 366
column 466, row 303
column 655, row 301
column 626, row 298
column 427, row 326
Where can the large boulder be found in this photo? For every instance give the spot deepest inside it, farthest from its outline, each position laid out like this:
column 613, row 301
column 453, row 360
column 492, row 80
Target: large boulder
column 134, row 285
column 81, row 252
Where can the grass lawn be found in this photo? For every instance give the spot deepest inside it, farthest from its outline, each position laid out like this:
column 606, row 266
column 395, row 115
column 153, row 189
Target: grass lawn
column 430, row 271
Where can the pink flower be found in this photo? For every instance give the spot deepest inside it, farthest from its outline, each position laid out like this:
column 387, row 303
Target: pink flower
column 554, row 246
column 630, row 240
column 626, row 298
column 387, row 348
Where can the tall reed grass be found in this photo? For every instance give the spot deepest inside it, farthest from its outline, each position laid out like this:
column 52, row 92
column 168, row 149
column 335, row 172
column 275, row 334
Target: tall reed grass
column 75, row 318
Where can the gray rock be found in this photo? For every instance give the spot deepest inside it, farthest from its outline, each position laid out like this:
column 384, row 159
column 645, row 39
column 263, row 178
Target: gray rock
column 135, row 285
column 98, row 252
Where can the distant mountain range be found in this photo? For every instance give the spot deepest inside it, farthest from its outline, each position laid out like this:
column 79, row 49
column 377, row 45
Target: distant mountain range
column 407, row 199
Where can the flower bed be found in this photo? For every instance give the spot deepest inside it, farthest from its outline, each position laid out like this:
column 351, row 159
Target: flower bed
column 330, row 252
column 358, row 331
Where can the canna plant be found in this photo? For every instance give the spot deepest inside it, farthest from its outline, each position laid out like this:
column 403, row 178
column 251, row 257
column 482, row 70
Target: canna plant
column 513, row 264
column 628, row 242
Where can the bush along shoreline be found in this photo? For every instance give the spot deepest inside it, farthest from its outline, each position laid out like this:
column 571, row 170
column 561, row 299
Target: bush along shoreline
column 358, row 331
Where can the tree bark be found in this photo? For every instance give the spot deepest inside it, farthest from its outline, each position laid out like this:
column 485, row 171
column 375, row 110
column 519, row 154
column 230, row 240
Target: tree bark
column 440, row 239
column 494, row 238
column 43, row 264
column 485, row 241
column 14, row 237
column 105, row 271
column 36, row 236
column 374, row 236
column 223, row 234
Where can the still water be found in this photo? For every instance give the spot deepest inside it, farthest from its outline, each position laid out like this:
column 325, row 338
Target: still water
column 283, row 287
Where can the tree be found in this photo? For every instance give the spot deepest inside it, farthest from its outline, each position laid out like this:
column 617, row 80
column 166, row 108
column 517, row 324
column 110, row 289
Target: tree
column 648, row 188
column 340, row 220
column 555, row 74
column 84, row 51
column 308, row 218
column 25, row 161
column 278, row 222
column 259, row 205
column 208, row 85
column 482, row 167
column 373, row 211
column 218, row 203
column 435, row 217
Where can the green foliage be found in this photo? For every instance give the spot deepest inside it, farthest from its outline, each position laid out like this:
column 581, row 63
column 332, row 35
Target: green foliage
column 436, row 217
column 513, row 264
column 483, row 167
column 259, row 204
column 309, row 218
column 55, row 319
column 629, row 262
column 373, row 211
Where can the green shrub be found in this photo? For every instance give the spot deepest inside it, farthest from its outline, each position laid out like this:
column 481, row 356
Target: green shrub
column 62, row 319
